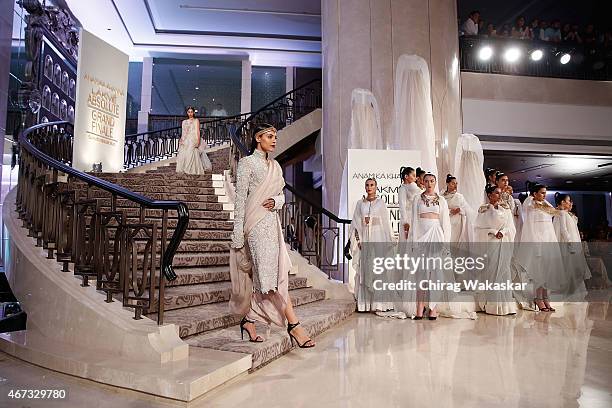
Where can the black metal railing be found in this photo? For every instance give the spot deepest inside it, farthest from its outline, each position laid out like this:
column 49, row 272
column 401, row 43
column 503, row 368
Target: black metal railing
column 98, row 229
column 154, row 145
column 586, row 62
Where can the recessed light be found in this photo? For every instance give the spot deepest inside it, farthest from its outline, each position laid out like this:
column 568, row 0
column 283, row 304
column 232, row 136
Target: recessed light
column 188, row 70
column 197, row 66
column 194, row 99
column 568, row 181
column 197, row 87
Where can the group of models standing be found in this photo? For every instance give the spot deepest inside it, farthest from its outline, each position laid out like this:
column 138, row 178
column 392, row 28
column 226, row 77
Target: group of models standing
column 530, row 242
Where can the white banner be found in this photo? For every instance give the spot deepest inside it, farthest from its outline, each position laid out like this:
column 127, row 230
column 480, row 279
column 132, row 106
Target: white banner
column 99, row 127
column 384, row 167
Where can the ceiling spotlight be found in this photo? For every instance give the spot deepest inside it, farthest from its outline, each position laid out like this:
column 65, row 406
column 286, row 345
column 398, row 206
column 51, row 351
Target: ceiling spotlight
column 197, row 88
column 536, row 55
column 569, row 181
column 194, row 99
column 565, row 58
column 485, row 53
column 512, row 54
column 187, row 69
column 197, row 66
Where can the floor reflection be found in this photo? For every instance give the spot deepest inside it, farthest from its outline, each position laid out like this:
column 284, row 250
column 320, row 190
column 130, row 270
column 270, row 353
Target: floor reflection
column 559, row 359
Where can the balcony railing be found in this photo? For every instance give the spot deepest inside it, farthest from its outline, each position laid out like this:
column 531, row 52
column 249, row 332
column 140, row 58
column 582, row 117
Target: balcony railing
column 585, row 62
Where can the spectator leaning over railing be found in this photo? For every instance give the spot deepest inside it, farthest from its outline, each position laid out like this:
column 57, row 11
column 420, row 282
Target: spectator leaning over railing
column 490, row 31
column 570, row 33
column 534, row 29
column 553, row 33
column 470, row 26
column 519, row 30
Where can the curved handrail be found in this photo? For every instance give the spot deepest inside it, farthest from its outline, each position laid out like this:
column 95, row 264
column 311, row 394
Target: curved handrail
column 280, row 98
column 180, row 207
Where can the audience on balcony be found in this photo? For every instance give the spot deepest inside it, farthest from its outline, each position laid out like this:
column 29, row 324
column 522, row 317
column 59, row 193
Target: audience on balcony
column 470, row 26
column 538, row 29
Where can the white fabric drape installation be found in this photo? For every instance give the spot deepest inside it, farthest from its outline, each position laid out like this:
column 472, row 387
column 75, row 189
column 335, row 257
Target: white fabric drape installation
column 413, row 125
column 469, row 161
column 365, row 133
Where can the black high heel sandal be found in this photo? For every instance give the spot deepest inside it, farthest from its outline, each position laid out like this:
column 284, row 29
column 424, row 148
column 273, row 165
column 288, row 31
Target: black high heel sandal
column 420, row 317
column 307, row 344
column 550, row 308
column 244, row 321
column 541, row 309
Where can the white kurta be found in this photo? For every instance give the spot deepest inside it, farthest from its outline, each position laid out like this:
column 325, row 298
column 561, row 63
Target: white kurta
column 406, row 194
column 537, row 252
column 566, row 228
column 489, row 221
column 460, row 222
column 431, row 238
column 377, row 230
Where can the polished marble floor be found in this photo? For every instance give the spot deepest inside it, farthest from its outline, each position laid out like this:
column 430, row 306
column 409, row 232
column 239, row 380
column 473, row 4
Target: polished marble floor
column 561, row 359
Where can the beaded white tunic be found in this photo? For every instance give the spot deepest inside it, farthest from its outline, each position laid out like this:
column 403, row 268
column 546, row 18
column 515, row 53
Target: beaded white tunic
column 263, row 238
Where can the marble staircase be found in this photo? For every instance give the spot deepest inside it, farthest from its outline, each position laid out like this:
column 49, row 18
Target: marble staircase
column 197, row 301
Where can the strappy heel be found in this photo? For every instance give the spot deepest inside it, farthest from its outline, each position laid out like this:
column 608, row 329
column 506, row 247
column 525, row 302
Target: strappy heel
column 549, row 307
column 257, row 339
column 541, row 309
column 415, row 317
column 307, row 344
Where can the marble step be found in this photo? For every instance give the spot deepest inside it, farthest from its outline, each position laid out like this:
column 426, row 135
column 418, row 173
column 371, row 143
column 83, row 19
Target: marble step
column 144, row 180
column 192, row 246
column 174, row 193
column 193, row 224
column 195, row 234
column 199, row 319
column 202, row 205
column 194, row 276
column 179, row 297
column 165, row 176
column 219, row 215
column 315, row 318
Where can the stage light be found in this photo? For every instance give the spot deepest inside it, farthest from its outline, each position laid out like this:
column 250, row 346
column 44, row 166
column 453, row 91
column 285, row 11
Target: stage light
column 536, row 55
column 512, row 54
column 485, row 53
column 565, row 58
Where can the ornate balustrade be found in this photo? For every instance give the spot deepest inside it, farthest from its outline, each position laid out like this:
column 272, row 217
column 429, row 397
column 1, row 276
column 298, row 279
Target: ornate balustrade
column 86, row 223
column 148, row 147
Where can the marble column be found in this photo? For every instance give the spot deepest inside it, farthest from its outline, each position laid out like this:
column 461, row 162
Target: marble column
column 289, row 78
column 245, row 90
column 362, row 41
column 145, row 94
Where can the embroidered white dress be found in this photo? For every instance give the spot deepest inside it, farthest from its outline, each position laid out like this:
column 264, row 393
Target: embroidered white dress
column 489, row 222
column 263, row 239
column 538, row 253
column 460, row 222
column 378, row 230
column 406, row 194
column 566, row 228
column 191, row 158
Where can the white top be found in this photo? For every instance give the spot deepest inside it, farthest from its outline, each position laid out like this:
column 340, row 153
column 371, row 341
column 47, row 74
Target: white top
column 406, row 194
column 422, row 208
column 470, row 27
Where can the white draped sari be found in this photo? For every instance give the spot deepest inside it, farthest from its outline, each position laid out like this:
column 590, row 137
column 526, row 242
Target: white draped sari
column 489, row 222
column 566, row 229
column 406, row 194
column 378, row 230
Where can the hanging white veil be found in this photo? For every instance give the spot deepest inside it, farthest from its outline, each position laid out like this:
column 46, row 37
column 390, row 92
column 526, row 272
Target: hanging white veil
column 413, row 125
column 365, row 133
column 468, row 169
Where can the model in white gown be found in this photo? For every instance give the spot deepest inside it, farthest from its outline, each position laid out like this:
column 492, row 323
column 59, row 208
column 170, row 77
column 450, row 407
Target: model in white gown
column 191, row 158
column 566, row 228
column 406, row 193
column 494, row 231
column 538, row 253
column 460, row 212
column 370, row 224
column 429, row 236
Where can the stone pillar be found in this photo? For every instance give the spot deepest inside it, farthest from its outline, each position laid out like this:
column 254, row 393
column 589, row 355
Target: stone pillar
column 289, row 78
column 362, row 41
column 145, row 94
column 245, row 90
